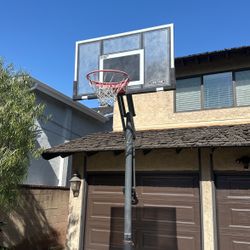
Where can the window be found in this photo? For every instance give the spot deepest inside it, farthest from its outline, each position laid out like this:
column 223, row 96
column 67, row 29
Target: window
column 218, row 90
column 211, row 91
column 242, row 85
column 188, row 94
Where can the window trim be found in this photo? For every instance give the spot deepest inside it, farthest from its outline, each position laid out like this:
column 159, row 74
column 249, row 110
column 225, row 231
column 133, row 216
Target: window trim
column 233, row 71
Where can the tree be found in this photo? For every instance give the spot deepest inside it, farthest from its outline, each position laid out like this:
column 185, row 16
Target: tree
column 18, row 114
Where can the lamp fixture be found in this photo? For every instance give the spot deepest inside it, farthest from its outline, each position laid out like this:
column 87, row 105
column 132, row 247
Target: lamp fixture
column 75, row 184
column 245, row 160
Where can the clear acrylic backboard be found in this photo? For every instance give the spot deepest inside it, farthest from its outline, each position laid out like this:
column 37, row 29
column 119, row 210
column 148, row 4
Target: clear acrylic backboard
column 147, row 56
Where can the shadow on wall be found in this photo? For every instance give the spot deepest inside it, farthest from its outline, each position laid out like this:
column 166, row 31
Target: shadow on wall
column 72, row 228
column 153, row 228
column 41, row 172
column 27, row 225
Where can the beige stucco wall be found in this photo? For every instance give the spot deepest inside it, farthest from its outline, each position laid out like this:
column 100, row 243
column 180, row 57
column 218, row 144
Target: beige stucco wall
column 225, row 158
column 76, row 219
column 207, row 201
column 156, row 111
column 155, row 160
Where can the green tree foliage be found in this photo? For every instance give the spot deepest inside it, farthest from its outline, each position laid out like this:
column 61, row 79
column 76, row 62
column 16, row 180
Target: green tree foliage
column 18, row 114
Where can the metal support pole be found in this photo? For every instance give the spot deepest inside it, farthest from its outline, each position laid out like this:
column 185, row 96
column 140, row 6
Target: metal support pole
column 128, row 243
column 129, row 131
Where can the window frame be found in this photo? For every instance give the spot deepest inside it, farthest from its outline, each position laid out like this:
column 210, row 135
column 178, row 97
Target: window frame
column 231, row 83
column 233, row 71
column 236, row 71
column 201, row 87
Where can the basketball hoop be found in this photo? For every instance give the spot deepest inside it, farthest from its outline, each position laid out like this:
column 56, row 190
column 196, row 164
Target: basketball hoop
column 107, row 84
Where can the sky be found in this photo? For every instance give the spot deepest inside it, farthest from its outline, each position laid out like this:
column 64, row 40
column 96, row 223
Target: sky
column 39, row 36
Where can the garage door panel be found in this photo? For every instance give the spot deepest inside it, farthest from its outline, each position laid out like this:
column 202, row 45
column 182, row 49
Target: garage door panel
column 169, row 188
column 153, row 218
column 166, row 196
column 104, row 239
column 185, row 214
column 164, row 218
column 98, row 238
column 233, row 211
column 106, row 211
column 232, row 182
column 164, row 240
column 234, row 196
column 231, row 200
column 234, row 243
column 148, row 241
column 164, row 180
column 105, row 179
column 101, row 209
column 169, row 191
column 235, row 216
column 107, row 190
column 242, row 245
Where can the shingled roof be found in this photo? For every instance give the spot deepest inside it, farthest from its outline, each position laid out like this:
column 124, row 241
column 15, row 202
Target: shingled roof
column 215, row 136
column 206, row 56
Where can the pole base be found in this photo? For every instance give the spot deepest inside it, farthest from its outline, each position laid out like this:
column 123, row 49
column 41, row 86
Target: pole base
column 128, row 245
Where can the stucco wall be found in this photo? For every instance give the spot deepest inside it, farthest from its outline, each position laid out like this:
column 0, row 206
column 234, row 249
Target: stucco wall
column 82, row 125
column 207, row 201
column 64, row 124
column 155, row 160
column 39, row 219
column 157, row 110
column 225, row 159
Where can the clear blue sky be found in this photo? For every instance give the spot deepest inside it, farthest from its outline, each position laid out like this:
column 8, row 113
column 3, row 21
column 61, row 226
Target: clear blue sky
column 39, row 35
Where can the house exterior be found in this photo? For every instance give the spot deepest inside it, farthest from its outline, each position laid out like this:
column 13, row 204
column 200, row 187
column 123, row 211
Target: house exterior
column 67, row 120
column 192, row 164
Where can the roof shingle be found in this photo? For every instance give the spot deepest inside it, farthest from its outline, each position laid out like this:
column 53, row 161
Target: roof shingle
column 215, row 136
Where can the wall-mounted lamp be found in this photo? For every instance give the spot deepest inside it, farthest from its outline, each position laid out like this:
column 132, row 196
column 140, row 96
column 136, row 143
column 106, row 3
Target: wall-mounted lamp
column 75, row 184
column 244, row 160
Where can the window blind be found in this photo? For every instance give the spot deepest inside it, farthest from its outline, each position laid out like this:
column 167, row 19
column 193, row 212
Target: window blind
column 188, row 94
column 242, row 82
column 218, row 90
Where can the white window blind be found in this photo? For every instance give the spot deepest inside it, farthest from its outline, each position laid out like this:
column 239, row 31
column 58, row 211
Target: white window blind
column 242, row 82
column 218, row 90
column 188, row 94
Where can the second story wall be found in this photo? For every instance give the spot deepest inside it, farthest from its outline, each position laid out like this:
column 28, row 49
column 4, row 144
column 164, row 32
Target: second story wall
column 64, row 124
column 158, row 110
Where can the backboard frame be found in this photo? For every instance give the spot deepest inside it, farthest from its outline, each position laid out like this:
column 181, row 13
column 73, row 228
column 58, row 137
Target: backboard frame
column 153, row 89
column 139, row 52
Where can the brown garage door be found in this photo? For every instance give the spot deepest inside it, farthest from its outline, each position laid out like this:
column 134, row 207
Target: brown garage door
column 233, row 211
column 166, row 217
